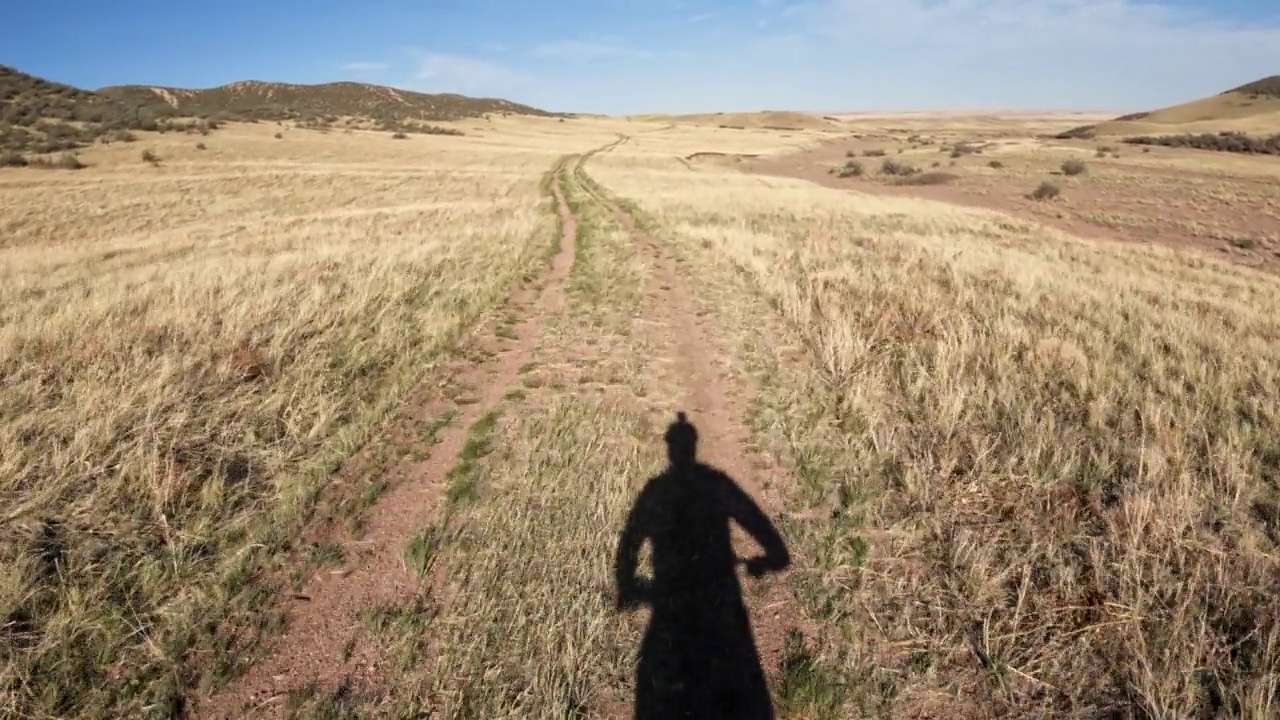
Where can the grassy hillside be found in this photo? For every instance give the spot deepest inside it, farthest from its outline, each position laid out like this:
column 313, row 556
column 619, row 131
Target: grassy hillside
column 41, row 116
column 283, row 101
column 38, row 115
column 1266, row 87
column 1251, row 109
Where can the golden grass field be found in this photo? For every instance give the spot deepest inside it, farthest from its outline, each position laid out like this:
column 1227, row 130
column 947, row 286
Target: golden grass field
column 1232, row 111
column 1023, row 473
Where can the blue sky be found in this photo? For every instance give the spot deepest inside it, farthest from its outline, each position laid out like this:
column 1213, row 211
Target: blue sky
column 625, row 56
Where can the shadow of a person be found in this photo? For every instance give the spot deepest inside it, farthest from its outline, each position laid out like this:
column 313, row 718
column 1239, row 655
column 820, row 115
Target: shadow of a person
column 698, row 658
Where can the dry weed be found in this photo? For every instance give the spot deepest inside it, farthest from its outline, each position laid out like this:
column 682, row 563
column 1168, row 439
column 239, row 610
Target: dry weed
column 1040, row 471
column 186, row 356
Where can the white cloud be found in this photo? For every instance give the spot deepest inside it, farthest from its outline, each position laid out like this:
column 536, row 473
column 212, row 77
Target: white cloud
column 364, row 67
column 1026, row 25
column 1055, row 53
column 465, row 75
column 701, row 17
column 830, row 55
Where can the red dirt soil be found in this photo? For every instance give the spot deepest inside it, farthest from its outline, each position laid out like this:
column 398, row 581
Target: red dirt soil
column 1239, row 222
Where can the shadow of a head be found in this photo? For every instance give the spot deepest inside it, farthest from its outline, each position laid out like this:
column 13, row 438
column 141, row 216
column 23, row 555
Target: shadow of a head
column 682, row 442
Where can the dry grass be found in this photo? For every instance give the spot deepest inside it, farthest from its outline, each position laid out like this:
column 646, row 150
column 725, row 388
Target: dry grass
column 1173, row 196
column 536, row 566
column 524, row 625
column 189, row 352
column 1231, row 111
column 1036, row 475
column 1041, row 471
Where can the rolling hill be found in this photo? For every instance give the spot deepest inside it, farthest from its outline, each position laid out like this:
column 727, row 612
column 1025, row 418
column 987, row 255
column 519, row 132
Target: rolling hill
column 284, row 101
column 1252, row 108
column 42, row 116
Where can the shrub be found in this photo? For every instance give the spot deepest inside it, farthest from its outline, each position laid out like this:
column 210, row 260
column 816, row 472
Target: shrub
column 125, row 136
column 149, row 156
column 929, row 178
column 400, row 136
column 995, row 165
column 893, row 167
column 1073, row 167
column 56, row 145
column 201, row 146
column 10, row 158
column 279, row 136
column 1084, row 132
column 1045, row 191
column 877, row 152
column 850, row 153
column 853, row 168
column 1223, row 142
column 70, row 161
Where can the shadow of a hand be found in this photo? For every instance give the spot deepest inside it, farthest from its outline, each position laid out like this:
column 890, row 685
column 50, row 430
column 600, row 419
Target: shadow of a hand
column 632, row 596
column 760, row 565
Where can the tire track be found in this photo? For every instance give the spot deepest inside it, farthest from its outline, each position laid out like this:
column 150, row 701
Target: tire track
column 684, row 335
column 324, row 618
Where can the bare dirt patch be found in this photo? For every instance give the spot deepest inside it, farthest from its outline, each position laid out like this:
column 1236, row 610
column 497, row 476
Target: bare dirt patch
column 729, row 156
column 1165, row 197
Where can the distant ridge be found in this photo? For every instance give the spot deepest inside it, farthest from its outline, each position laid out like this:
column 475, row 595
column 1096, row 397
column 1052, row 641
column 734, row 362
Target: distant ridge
column 1251, row 109
column 280, row 101
column 1266, row 87
column 42, row 116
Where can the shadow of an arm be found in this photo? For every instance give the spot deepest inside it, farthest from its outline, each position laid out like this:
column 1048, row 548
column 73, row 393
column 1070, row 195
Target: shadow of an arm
column 751, row 518
column 631, row 591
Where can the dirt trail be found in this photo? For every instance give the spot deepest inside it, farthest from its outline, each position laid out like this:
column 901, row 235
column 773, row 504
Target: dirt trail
column 684, row 335
column 324, row 616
